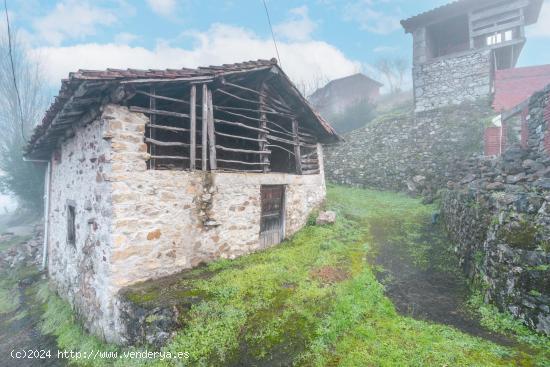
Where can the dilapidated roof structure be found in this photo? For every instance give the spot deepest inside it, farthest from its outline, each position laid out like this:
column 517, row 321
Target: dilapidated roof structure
column 243, row 94
column 467, row 25
column 457, row 7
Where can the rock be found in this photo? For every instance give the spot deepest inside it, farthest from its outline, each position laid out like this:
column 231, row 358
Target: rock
column 419, row 179
column 543, row 183
column 495, row 186
column 326, row 217
column 515, row 178
column 468, row 178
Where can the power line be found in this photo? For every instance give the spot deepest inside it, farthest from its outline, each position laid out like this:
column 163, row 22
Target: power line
column 13, row 72
column 272, row 34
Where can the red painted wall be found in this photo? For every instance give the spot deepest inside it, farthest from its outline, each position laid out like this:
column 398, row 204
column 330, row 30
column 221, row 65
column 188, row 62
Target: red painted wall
column 493, row 145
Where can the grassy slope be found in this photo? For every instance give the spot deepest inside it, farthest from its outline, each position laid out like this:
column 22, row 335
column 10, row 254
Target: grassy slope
column 312, row 301
column 8, row 282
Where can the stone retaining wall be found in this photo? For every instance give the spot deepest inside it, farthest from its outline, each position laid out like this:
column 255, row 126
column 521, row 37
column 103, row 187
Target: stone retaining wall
column 498, row 215
column 409, row 152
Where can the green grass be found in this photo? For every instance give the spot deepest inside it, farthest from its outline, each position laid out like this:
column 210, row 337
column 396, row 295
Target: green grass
column 13, row 241
column 8, row 299
column 273, row 307
column 9, row 295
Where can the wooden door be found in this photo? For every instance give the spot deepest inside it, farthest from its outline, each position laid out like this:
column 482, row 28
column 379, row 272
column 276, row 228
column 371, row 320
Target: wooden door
column 272, row 217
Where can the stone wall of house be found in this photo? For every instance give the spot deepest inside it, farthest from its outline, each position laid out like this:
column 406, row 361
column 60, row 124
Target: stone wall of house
column 538, row 132
column 498, row 214
column 134, row 224
column 410, row 152
column 167, row 221
column 81, row 272
column 451, row 80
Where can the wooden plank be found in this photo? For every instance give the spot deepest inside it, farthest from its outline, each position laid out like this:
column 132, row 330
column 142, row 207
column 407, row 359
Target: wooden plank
column 263, row 125
column 224, row 108
column 310, row 161
column 179, row 158
column 168, row 143
column 168, row 128
column 495, row 10
column 280, row 127
column 161, row 97
column 280, row 147
column 497, row 28
column 241, row 170
column 297, row 154
column 308, row 167
column 238, row 137
column 202, row 79
column 280, row 132
column 239, row 124
column 152, row 111
column 204, row 137
column 491, row 21
column 281, row 140
column 193, row 127
column 235, row 96
column 227, row 149
column 152, row 121
column 211, row 133
column 241, row 162
column 243, row 116
column 240, row 87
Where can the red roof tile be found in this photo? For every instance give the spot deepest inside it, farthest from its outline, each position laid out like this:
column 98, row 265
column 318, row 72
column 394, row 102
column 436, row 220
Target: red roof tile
column 513, row 86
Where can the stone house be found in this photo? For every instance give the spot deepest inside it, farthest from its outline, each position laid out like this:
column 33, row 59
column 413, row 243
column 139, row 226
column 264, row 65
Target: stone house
column 458, row 47
column 151, row 172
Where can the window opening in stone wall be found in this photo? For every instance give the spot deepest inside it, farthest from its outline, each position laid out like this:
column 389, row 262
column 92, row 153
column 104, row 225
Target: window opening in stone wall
column 71, row 224
column 449, row 37
column 239, row 123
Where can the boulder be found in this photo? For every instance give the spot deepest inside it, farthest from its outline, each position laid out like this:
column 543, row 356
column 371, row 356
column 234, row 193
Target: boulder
column 326, row 217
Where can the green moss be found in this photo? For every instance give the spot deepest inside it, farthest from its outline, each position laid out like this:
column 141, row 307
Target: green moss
column 479, row 257
column 535, row 293
column 522, row 236
column 8, row 300
column 544, row 267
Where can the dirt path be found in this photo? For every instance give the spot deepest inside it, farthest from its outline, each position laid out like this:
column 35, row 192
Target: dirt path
column 436, row 291
column 19, row 330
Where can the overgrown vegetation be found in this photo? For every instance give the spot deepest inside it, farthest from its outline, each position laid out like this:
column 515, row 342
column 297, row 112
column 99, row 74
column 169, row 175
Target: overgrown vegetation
column 286, row 306
column 504, row 323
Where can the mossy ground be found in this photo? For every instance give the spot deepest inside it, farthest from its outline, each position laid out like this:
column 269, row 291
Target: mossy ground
column 273, row 308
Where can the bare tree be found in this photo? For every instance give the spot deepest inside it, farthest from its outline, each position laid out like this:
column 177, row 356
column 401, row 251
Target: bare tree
column 393, row 70
column 308, row 86
column 23, row 99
